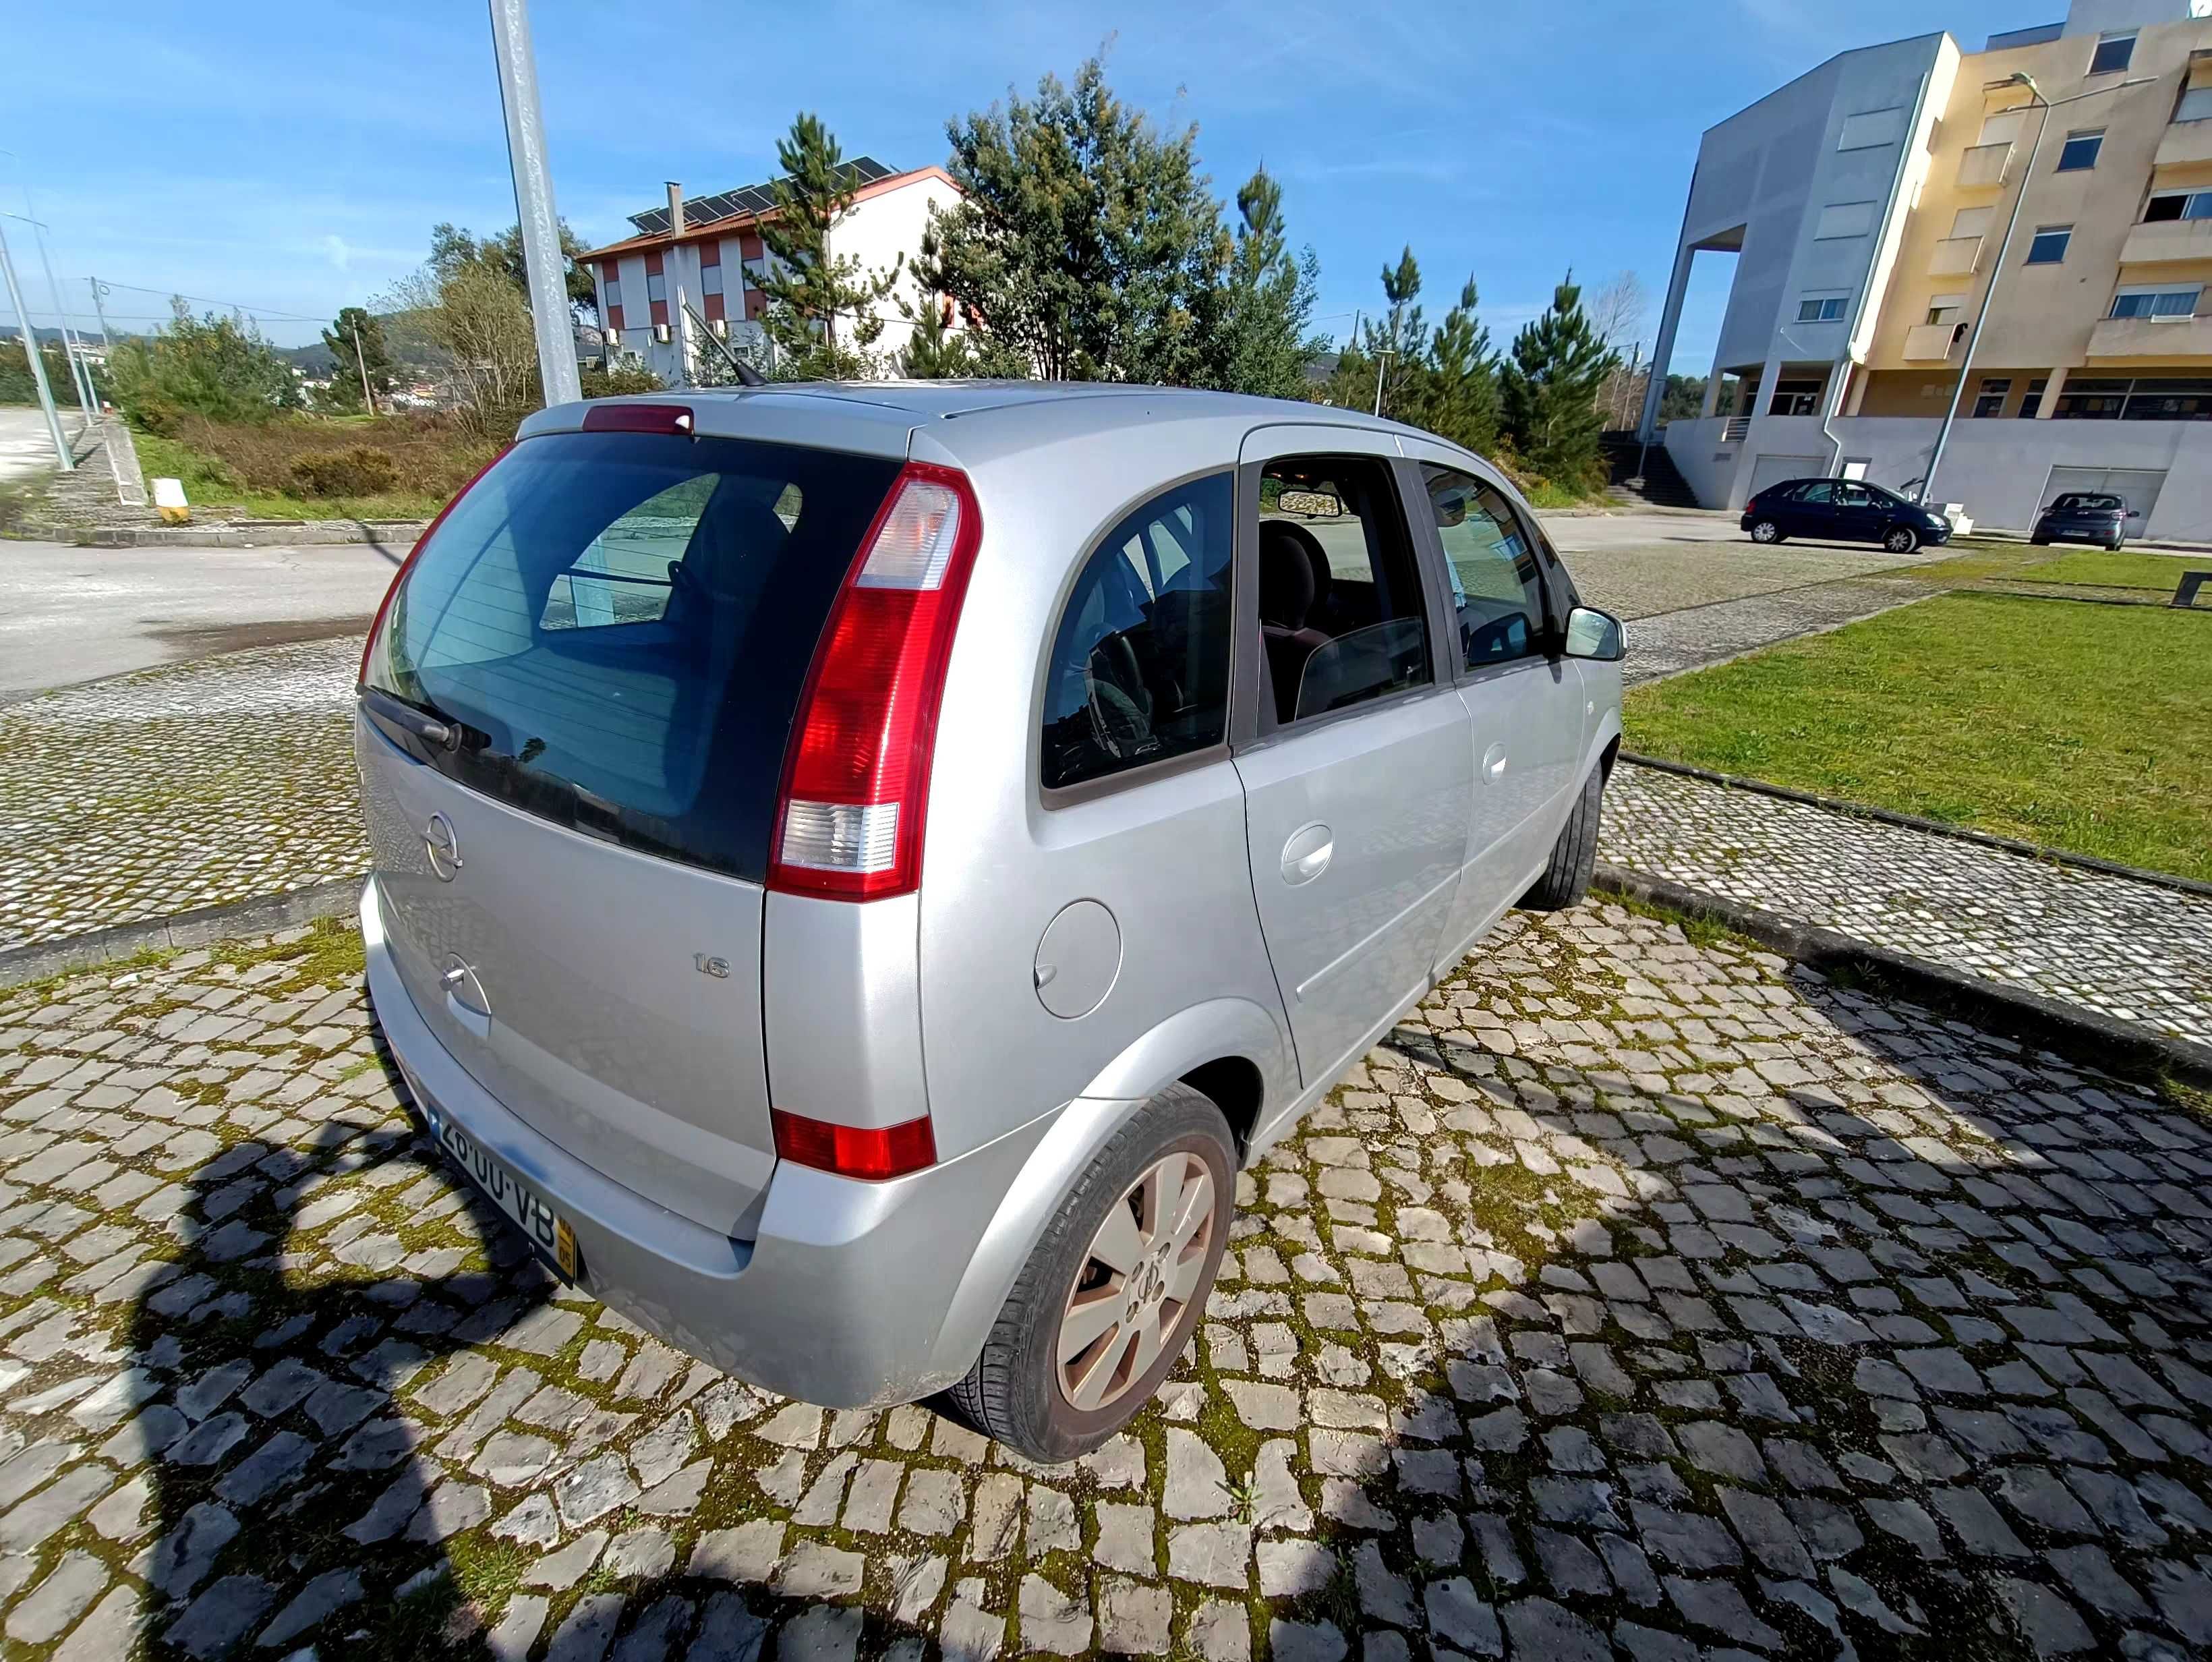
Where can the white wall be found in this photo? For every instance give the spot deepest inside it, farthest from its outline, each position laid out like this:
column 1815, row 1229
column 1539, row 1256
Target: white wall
column 1996, row 469
column 879, row 229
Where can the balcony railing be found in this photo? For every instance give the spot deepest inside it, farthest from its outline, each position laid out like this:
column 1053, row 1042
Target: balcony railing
column 1930, row 343
column 1956, row 256
column 2185, row 141
column 2167, row 239
column 1984, row 166
column 2152, row 338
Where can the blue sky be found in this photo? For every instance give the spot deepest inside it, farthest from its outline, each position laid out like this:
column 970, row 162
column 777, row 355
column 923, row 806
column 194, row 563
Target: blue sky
column 293, row 157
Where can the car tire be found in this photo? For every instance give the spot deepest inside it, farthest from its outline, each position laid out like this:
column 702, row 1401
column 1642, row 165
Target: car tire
column 1901, row 539
column 2040, row 542
column 1019, row 1391
column 1566, row 877
column 2115, row 546
column 1766, row 531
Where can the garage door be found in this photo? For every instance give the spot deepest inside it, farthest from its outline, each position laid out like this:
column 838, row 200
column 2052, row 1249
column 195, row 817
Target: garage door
column 1773, row 469
column 2138, row 487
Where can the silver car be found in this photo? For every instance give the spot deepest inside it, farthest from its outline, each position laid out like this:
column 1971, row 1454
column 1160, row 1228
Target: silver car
column 860, row 869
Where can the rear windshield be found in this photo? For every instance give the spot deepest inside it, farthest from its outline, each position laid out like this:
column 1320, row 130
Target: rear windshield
column 619, row 625
column 2086, row 499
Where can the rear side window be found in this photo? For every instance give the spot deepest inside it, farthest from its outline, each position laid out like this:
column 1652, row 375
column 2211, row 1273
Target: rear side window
column 619, row 624
column 1139, row 669
column 1497, row 593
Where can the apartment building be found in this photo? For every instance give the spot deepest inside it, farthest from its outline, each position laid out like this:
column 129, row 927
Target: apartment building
column 659, row 288
column 1866, row 204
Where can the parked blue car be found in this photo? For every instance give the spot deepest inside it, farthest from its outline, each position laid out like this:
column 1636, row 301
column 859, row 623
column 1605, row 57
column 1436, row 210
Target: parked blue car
column 1842, row 510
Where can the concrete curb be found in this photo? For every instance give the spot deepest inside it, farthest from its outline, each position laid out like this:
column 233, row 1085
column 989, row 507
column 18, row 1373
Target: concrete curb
column 1933, row 827
column 2102, row 1042
column 257, row 534
column 208, row 924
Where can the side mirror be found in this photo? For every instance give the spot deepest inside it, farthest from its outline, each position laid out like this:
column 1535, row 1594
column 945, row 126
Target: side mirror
column 1594, row 634
column 2134, row 513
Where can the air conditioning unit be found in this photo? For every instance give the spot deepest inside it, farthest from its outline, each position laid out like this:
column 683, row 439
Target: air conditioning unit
column 722, row 326
column 660, row 333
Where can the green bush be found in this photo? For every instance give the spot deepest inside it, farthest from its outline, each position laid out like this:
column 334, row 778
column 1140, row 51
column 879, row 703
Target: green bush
column 359, row 470
column 211, row 366
column 628, row 377
column 16, row 385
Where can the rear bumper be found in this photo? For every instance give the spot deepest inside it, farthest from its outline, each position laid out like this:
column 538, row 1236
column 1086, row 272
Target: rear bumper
column 843, row 1297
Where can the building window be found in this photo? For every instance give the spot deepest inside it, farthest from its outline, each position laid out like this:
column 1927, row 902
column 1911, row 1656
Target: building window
column 2114, row 52
column 2157, row 303
column 1991, row 400
column 1796, row 398
column 2148, row 398
column 1947, row 308
column 1872, row 129
column 2079, row 153
column 2032, row 400
column 2196, row 105
column 710, row 279
column 1822, row 308
column 1972, row 222
column 1843, row 219
column 2049, row 247
column 656, row 286
column 2177, row 205
column 613, row 287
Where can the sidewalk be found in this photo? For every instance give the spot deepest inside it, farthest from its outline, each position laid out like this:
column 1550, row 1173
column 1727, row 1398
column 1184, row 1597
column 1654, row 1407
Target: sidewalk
column 2126, row 949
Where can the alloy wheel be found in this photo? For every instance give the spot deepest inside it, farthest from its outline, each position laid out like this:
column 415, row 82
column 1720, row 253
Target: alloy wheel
column 1137, row 1279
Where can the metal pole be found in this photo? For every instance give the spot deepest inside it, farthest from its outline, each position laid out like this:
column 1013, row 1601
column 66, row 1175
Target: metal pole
column 360, row 363
column 38, row 364
column 533, row 201
column 101, row 312
column 88, row 400
column 1382, row 363
column 1996, row 270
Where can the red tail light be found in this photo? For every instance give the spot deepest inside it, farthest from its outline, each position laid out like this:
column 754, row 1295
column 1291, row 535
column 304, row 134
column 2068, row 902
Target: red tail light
column 875, row 1153
column 856, row 778
column 384, row 605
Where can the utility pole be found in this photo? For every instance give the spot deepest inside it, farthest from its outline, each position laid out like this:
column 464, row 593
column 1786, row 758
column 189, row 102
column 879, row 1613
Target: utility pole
column 360, row 363
column 1382, row 363
column 533, row 201
column 80, row 373
column 37, row 364
column 2018, row 78
column 101, row 312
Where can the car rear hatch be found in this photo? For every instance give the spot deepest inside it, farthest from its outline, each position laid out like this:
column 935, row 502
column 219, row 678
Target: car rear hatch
column 574, row 718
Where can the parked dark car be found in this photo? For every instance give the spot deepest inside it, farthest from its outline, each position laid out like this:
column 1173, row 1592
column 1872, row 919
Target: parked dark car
column 1842, row 510
column 2085, row 516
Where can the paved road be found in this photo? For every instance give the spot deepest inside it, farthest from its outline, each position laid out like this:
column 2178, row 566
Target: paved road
column 76, row 614
column 25, row 447
column 1633, row 1295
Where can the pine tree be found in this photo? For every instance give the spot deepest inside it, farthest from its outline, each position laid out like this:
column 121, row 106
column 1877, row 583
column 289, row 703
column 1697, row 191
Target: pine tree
column 1268, row 302
column 1551, row 386
column 823, row 312
column 1402, row 335
column 933, row 352
column 373, row 355
column 1462, row 402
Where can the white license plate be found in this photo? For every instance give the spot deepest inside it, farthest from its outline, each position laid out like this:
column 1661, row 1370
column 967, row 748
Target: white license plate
column 548, row 1230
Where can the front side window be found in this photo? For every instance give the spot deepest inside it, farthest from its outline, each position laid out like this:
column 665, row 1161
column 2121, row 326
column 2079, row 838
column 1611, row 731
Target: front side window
column 1341, row 614
column 2114, row 52
column 2080, row 151
column 1498, row 588
column 1852, row 495
column 2157, row 303
column 2050, row 244
column 1139, row 670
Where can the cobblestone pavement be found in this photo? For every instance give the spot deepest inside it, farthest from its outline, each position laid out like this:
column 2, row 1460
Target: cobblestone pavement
column 1671, row 641
column 153, row 794
column 2127, row 949
column 1634, row 1300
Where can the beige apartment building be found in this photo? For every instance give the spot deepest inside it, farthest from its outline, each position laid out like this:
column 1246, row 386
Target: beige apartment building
column 1866, row 204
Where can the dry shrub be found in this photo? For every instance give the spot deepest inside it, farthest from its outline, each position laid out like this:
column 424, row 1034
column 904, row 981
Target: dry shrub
column 359, row 470
column 413, row 454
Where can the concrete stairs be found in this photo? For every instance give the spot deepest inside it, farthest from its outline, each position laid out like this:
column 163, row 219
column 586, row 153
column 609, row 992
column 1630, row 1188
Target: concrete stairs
column 1663, row 485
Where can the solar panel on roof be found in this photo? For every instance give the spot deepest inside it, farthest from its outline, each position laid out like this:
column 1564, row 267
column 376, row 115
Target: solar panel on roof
column 746, row 199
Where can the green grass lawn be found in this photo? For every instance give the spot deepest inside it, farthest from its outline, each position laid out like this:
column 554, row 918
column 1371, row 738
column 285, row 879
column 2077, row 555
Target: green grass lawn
column 208, row 486
column 2122, row 570
column 2085, row 727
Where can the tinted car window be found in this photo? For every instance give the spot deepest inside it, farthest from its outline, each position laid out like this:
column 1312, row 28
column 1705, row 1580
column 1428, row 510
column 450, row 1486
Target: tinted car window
column 1853, row 495
column 619, row 624
column 1822, row 492
column 1342, row 617
column 1139, row 669
column 1498, row 594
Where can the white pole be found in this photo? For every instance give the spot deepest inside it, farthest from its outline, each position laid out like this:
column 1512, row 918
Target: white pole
column 80, row 376
column 533, row 201
column 38, row 364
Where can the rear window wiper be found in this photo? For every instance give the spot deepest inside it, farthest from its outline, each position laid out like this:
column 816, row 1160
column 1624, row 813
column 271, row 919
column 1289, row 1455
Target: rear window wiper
column 431, row 728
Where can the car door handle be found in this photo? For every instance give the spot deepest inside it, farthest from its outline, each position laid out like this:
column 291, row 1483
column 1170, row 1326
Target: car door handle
column 1307, row 855
column 1493, row 762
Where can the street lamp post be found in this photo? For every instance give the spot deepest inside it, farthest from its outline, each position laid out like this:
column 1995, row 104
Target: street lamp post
column 533, row 201
column 2018, row 78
